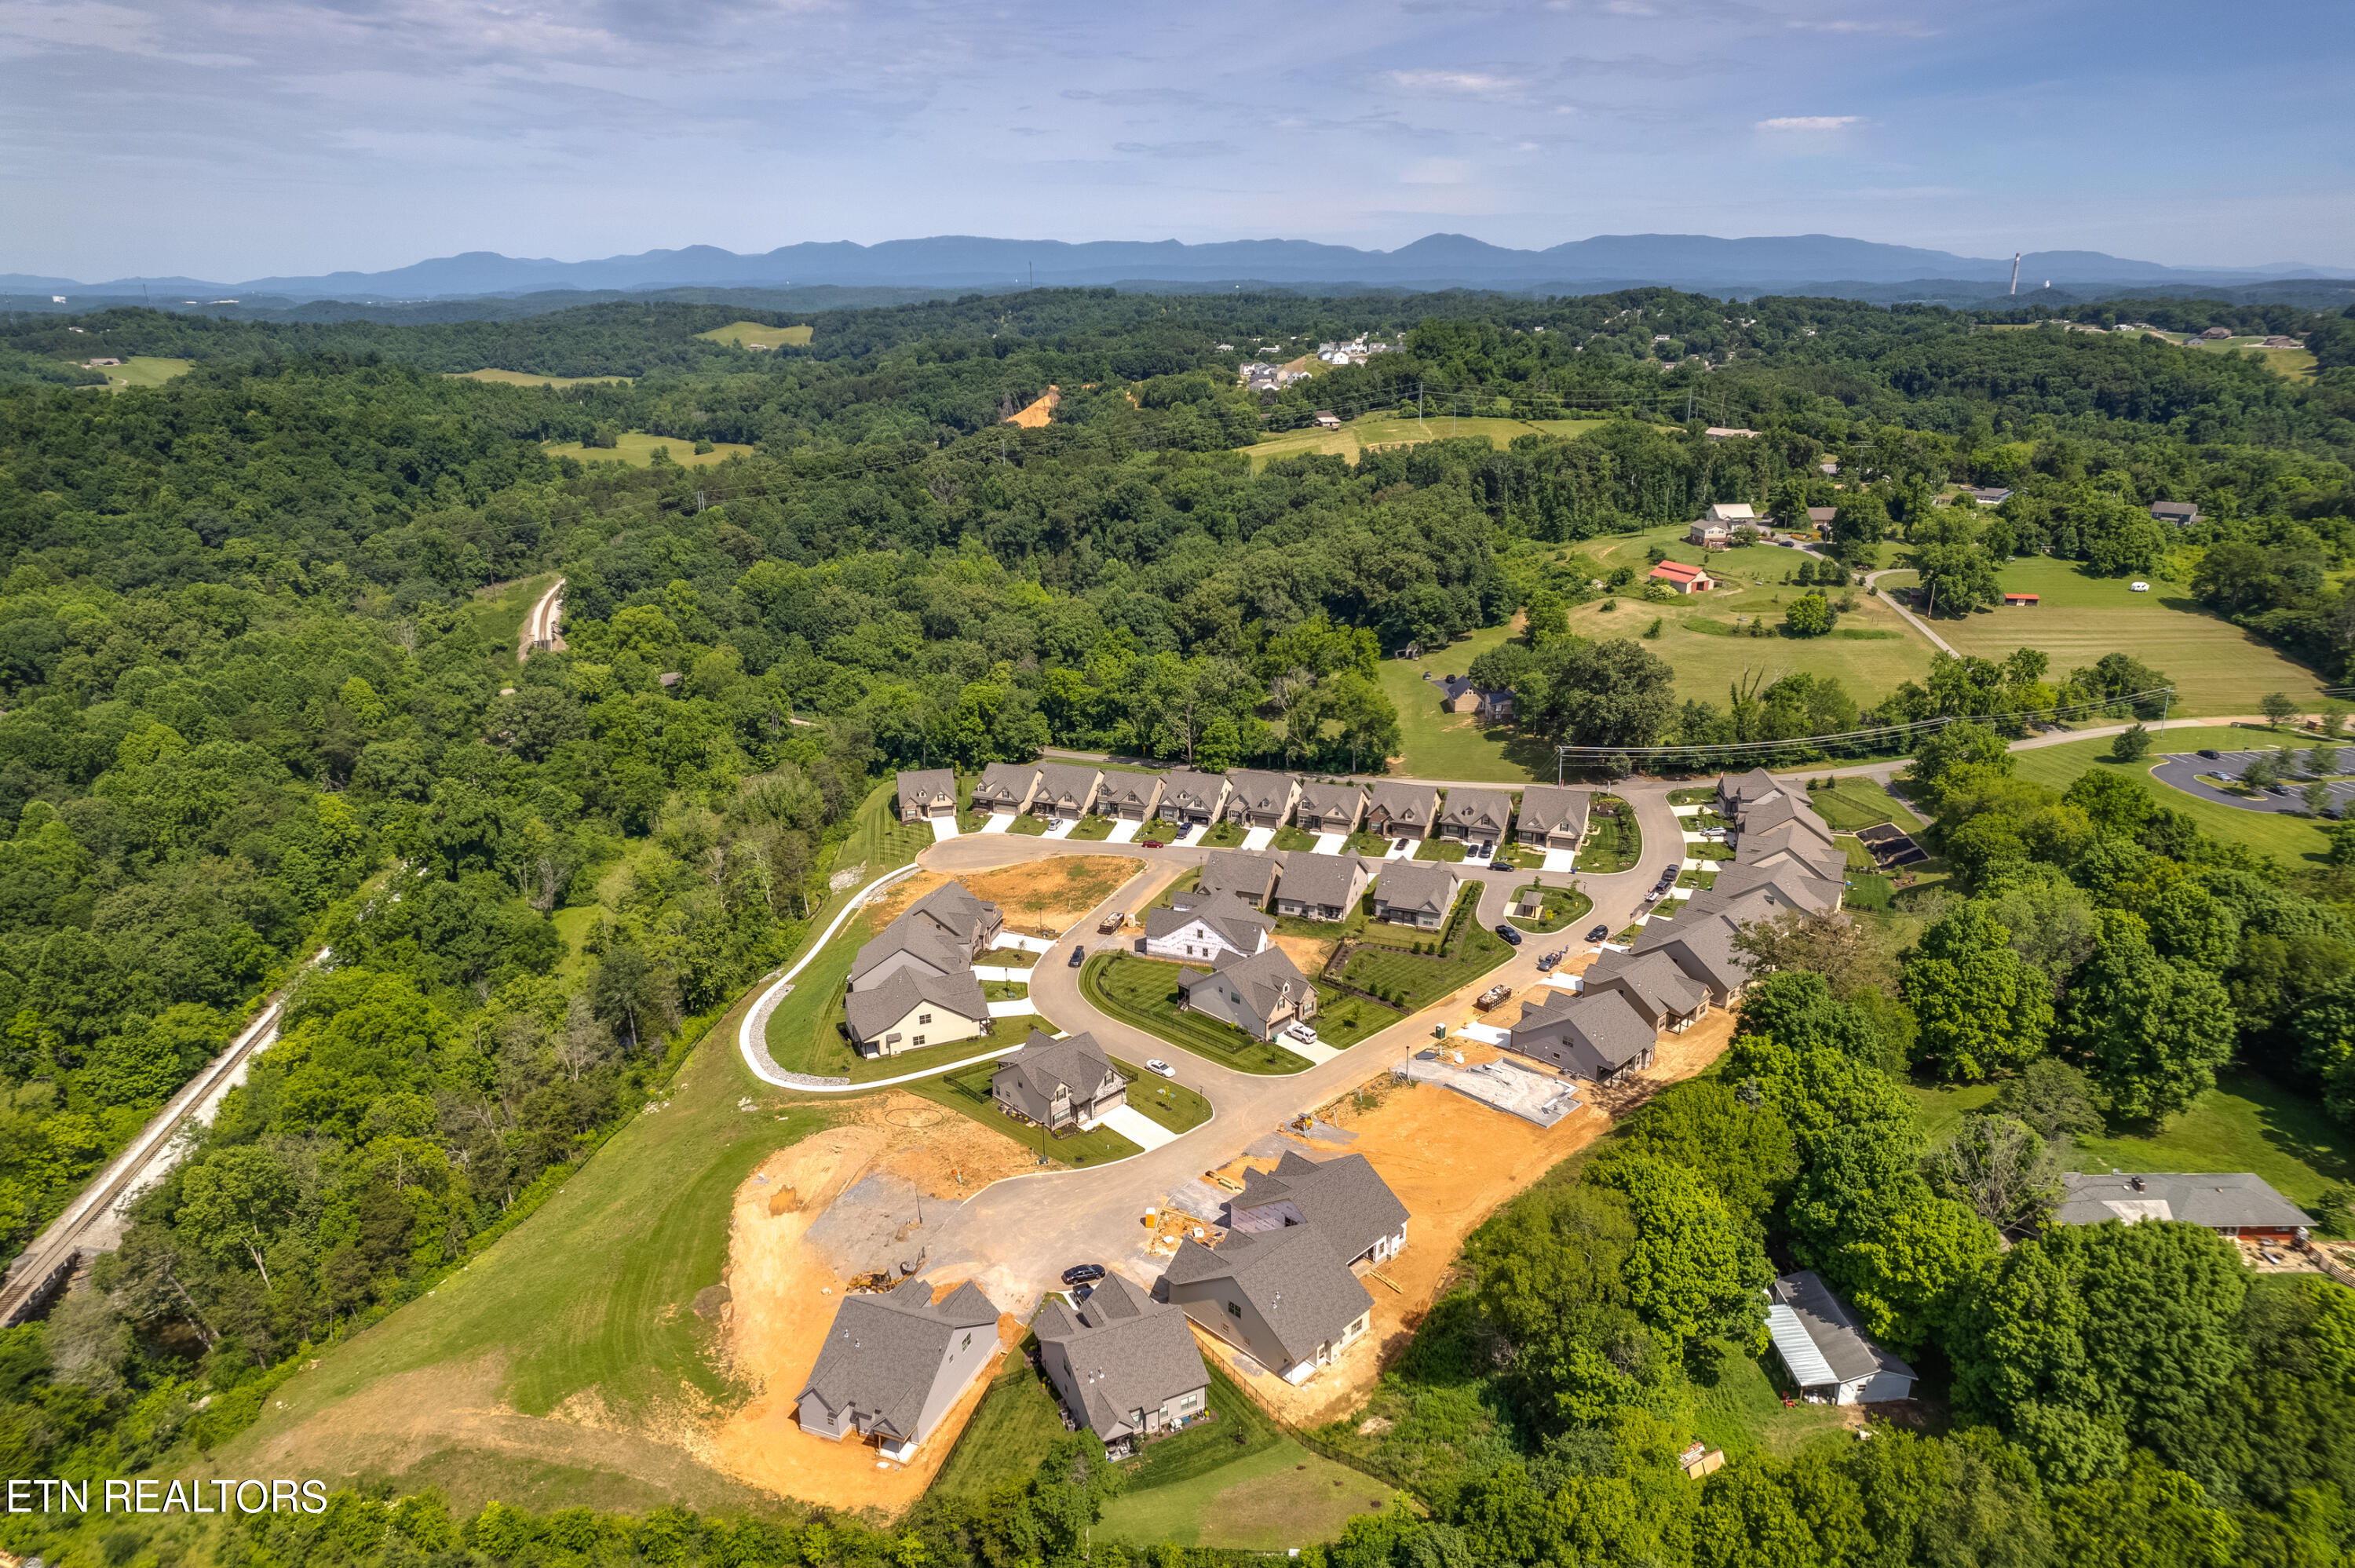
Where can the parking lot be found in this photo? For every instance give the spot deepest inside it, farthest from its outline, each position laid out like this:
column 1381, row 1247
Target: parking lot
column 2201, row 774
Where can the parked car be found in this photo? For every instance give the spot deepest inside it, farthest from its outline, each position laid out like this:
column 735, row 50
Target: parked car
column 1155, row 1065
column 1668, row 873
column 1302, row 1032
column 2211, row 753
column 2138, row 588
column 1083, row 1274
column 1079, row 954
column 1153, row 843
column 1512, row 938
column 1184, row 829
column 1600, row 933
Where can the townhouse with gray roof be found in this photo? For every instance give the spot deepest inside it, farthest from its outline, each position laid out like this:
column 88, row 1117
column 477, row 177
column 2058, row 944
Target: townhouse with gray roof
column 913, row 983
column 1345, row 1198
column 1125, row 1366
column 1416, row 893
column 1195, row 798
column 1669, row 1000
column 1322, row 886
column 1260, row 995
column 1261, row 799
column 1553, row 818
column 1248, row 876
column 1058, row 1083
column 1283, row 1297
column 1131, row 796
column 1601, row 1037
column 1701, row 943
column 1794, row 885
column 894, row 1364
column 1397, row 810
column 1205, row 929
column 1006, row 788
column 927, row 792
column 1476, row 816
column 1330, row 806
column 1067, row 791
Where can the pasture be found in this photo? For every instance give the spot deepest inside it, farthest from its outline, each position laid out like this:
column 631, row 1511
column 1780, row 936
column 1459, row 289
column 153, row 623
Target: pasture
column 753, row 334
column 2291, row 364
column 637, row 448
column 1437, row 744
column 1354, row 435
column 525, row 378
column 143, row 370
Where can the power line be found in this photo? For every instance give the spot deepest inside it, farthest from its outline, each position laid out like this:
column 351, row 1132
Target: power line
column 1858, row 739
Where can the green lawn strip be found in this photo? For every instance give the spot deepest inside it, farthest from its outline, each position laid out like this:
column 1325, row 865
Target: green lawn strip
column 1628, row 935
column 1418, row 979
column 1241, row 1428
column 1027, row 825
column 1563, row 906
column 1220, row 835
column 1870, row 890
column 1614, row 841
column 1858, row 857
column 1700, row 795
column 1736, row 1407
column 2297, row 839
column 1162, row 1101
column 1522, row 859
column 1449, row 850
column 1016, row 1422
column 1706, row 850
column 1703, row 880
column 1089, row 830
column 1143, row 993
column 1373, row 846
column 1005, row 991
column 967, row 1092
column 1292, row 838
column 1854, row 803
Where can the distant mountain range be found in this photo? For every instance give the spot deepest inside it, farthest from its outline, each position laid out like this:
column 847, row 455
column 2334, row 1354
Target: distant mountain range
column 1438, row 260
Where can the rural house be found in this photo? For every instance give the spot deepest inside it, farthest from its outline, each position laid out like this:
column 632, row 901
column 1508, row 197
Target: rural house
column 894, row 1364
column 1709, row 536
column 1130, row 797
column 1401, row 811
column 1327, row 420
column 1261, row 799
column 1726, row 433
column 1477, row 816
column 1330, row 806
column 2232, row 1204
column 1199, row 799
column 1827, row 1354
column 1668, row 1000
column 1416, row 893
column 1322, row 886
column 1006, row 788
column 1819, row 518
column 1734, row 514
column 1057, row 1084
column 1208, row 928
column 1346, row 1199
column 1989, row 495
column 1459, row 695
column 1682, row 577
column 1259, row 995
column 1281, row 1297
column 926, row 793
column 1599, row 1037
column 1066, row 791
column 1124, row 1364
column 2182, row 513
column 1248, row 876
column 1553, row 818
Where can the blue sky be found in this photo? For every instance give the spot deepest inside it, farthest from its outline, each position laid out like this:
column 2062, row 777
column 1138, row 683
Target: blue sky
column 287, row 136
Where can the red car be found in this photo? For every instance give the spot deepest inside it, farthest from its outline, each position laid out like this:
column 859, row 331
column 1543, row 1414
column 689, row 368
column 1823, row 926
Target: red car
column 1151, row 843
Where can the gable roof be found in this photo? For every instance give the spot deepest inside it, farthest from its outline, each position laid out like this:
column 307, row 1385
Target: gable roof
column 1426, row 885
column 913, row 933
column 1652, row 977
column 1677, row 571
column 1822, row 513
column 1480, row 811
column 954, row 908
column 1346, row 1198
column 1322, row 879
column 1013, row 778
column 1126, row 1351
column 1820, row 1340
column 1261, row 791
column 1326, row 798
column 1067, row 780
column 1130, row 788
column 927, row 785
column 1702, row 944
column 1248, row 871
column 1739, row 790
column 899, row 993
column 1773, row 812
column 1259, row 979
column 1194, row 790
column 1795, row 884
column 2212, row 1198
column 1547, row 808
column 1404, row 803
column 1303, row 1291
column 1240, row 927
column 1044, row 1062
column 1603, row 1022
column 883, row 1351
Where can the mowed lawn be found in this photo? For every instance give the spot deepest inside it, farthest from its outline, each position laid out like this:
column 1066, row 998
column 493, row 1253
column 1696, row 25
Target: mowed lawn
column 1354, row 435
column 525, row 378
column 753, row 334
column 142, row 370
column 637, row 450
column 2215, row 667
column 1142, row 993
column 1440, row 745
column 2296, row 838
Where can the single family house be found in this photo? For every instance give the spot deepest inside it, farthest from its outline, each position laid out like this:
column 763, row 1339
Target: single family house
column 1006, row 788
column 895, row 1362
column 1553, row 818
column 1401, row 810
column 1458, row 694
column 1345, row 1198
column 1260, row 995
column 2235, row 1204
column 1668, row 1000
column 1416, row 893
column 1602, row 1036
column 1261, row 799
column 1247, row 876
column 1131, row 796
column 926, row 793
column 907, row 1009
column 1124, row 1364
column 1190, row 796
column 1826, row 1354
column 1208, row 928
column 1476, row 816
column 1067, row 791
column 1330, row 806
column 2182, row 513
column 1057, row 1084
column 1281, row 1297
column 1322, row 886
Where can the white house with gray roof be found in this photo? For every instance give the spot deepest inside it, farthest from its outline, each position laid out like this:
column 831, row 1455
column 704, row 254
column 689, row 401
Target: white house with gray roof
column 907, row 1010
column 1330, row 806
column 1475, row 816
column 1416, row 893
column 894, row 1363
column 1259, row 995
column 1125, row 1366
column 1322, row 886
column 1284, row 1296
column 1261, row 799
column 1196, row 798
column 1345, row 1198
column 1826, row 1353
column 1208, row 929
column 1059, row 1083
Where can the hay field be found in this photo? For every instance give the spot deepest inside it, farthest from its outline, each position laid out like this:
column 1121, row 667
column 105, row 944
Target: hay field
column 637, row 450
column 753, row 334
column 525, row 378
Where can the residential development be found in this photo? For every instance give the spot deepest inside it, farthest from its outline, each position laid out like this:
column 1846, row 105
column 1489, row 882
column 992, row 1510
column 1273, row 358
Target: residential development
column 895, row 1362
column 1125, row 1365
column 912, row 984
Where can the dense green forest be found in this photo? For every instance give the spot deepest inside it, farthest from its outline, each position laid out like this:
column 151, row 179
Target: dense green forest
column 256, row 707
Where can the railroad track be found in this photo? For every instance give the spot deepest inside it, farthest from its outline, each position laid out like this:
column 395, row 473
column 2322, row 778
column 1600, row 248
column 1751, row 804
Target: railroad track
column 44, row 1266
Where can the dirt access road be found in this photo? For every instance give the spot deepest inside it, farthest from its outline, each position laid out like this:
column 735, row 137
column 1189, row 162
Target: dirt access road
column 541, row 622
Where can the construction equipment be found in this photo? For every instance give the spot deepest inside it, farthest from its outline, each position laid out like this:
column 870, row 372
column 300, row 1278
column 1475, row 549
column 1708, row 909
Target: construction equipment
column 1495, row 996
column 1113, row 921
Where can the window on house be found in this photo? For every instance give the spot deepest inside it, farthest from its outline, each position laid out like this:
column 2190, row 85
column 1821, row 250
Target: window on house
column 1234, row 1310
column 968, row 1343
column 919, row 1040
column 923, row 1018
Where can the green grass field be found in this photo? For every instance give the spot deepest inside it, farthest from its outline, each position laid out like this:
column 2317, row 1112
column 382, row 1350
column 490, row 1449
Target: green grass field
column 753, row 334
column 1436, row 744
column 1853, row 804
column 637, row 448
column 142, row 370
column 2215, row 667
column 1614, row 841
column 1144, row 992
column 2297, row 839
column 1418, row 979
column 1171, row 1105
column 2290, row 363
column 1354, row 435
column 525, row 378
column 1736, row 1408
column 1017, row 1422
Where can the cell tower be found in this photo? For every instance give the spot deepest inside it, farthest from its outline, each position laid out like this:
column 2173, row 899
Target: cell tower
column 2015, row 271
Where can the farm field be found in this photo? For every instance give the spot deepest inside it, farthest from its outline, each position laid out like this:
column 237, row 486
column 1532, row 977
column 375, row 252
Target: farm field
column 2292, row 363
column 2216, row 667
column 525, row 378
column 637, row 448
column 2297, row 839
column 143, row 370
column 753, row 334
column 1354, row 435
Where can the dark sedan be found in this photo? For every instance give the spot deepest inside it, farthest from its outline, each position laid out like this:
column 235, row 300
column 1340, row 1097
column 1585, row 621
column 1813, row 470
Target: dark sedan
column 1598, row 933
column 1509, row 934
column 1083, row 1274
column 1078, row 956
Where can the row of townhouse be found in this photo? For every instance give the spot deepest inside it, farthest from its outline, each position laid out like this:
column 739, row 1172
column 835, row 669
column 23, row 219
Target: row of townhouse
column 1282, row 1284
column 1676, row 970
column 1548, row 818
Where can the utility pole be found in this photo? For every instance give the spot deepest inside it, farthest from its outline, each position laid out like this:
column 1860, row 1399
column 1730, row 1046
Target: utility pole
column 1418, row 400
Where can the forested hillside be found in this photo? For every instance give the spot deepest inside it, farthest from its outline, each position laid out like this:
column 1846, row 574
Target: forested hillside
column 261, row 698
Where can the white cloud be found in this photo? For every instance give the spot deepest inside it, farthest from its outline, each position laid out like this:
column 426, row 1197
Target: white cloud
column 1811, row 123
column 1473, row 81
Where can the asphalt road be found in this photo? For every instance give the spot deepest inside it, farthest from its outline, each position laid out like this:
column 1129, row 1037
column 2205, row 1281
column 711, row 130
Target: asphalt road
column 1018, row 1236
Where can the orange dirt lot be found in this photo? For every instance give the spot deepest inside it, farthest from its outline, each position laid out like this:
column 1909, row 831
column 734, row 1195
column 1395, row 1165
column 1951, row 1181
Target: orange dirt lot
column 1040, row 897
